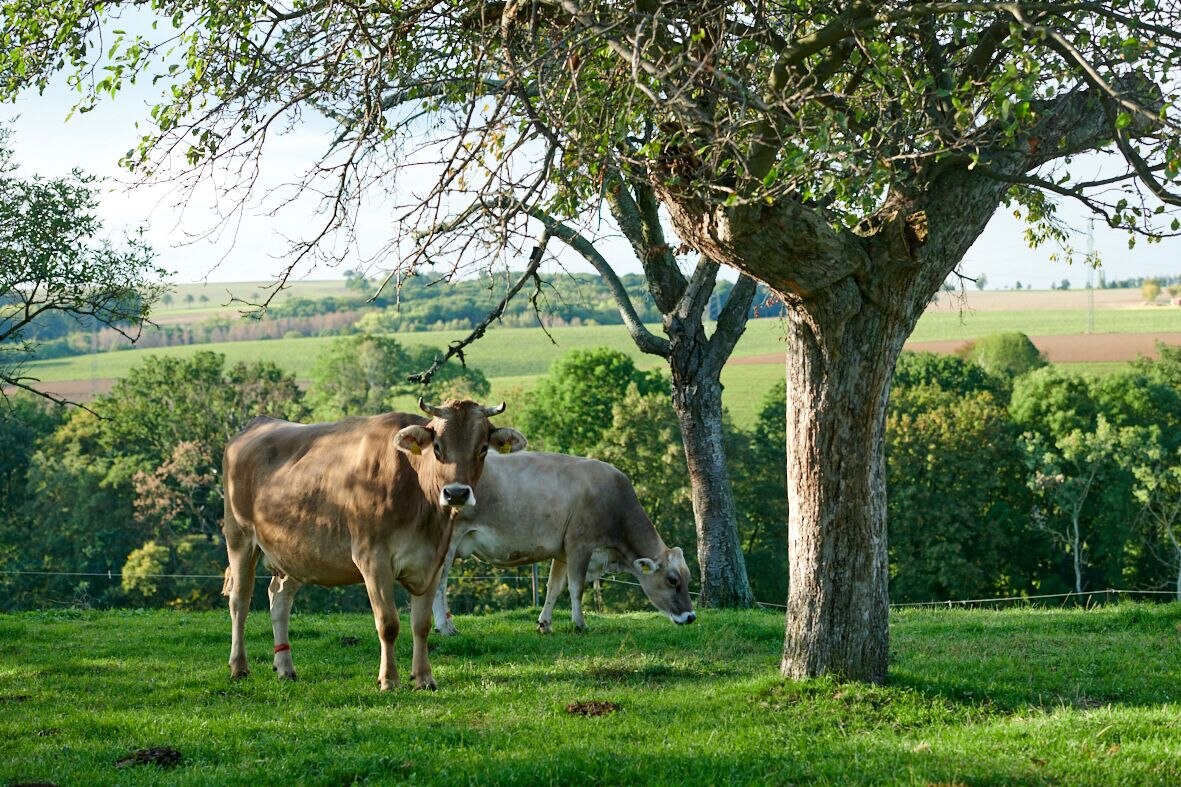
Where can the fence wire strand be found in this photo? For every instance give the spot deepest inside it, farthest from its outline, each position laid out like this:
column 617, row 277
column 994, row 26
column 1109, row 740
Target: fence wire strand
column 951, row 603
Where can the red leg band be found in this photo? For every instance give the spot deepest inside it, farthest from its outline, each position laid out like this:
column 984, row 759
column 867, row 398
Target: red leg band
column 283, row 647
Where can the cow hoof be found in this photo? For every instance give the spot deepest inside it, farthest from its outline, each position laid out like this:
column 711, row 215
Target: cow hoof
column 238, row 673
column 388, row 685
column 447, row 630
column 426, row 685
column 581, row 630
column 288, row 676
column 543, row 627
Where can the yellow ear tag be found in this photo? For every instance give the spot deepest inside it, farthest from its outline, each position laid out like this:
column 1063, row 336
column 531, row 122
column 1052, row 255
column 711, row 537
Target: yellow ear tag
column 505, row 448
column 415, row 449
column 647, row 569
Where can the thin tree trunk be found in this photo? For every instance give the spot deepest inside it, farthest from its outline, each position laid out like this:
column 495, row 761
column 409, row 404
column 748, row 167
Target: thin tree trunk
column 724, row 581
column 695, row 362
column 1179, row 578
column 1168, row 528
column 1076, row 548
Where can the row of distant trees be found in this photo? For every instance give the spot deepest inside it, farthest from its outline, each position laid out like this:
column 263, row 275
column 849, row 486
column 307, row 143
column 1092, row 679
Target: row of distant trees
column 422, row 303
column 1006, row 476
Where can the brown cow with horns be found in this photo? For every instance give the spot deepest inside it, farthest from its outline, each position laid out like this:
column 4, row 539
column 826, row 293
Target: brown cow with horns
column 367, row 499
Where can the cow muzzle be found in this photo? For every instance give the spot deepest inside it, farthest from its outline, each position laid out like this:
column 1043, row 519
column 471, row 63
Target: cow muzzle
column 457, row 496
column 684, row 618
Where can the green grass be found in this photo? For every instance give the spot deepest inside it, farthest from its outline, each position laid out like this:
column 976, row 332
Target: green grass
column 218, row 296
column 974, row 697
column 946, row 324
column 521, row 352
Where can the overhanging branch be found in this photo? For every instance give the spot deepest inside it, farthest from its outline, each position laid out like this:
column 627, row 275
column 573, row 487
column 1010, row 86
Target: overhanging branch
column 455, row 349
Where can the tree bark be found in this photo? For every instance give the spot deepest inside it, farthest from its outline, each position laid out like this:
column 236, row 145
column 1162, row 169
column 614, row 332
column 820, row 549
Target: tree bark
column 853, row 299
column 695, row 362
column 836, row 479
column 697, row 400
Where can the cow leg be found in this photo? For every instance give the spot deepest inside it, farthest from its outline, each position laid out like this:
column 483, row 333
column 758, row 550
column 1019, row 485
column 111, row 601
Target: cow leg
column 442, row 615
column 576, row 574
column 282, row 594
column 553, row 591
column 239, row 586
column 379, row 584
column 597, row 586
column 420, row 625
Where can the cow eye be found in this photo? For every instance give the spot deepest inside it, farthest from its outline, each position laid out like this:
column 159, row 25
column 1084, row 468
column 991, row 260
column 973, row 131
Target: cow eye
column 484, row 450
column 672, row 580
column 438, row 452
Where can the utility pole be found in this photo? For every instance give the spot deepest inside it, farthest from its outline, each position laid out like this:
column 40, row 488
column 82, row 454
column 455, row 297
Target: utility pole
column 1091, row 262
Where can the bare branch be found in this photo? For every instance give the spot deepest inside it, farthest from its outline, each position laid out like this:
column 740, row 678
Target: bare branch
column 455, row 349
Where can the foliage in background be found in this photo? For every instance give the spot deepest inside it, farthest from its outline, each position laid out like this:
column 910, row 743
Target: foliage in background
column 365, row 374
column 139, row 491
column 957, row 505
column 55, row 274
column 147, row 470
column 1006, row 355
column 571, row 408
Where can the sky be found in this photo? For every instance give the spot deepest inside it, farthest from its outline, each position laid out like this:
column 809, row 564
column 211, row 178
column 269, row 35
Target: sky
column 46, row 143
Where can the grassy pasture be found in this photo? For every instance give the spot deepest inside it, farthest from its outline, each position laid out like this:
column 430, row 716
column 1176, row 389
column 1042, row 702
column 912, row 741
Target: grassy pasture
column 516, row 352
column 945, row 323
column 974, row 697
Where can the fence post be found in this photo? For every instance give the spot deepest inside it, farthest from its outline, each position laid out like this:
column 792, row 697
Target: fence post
column 534, row 572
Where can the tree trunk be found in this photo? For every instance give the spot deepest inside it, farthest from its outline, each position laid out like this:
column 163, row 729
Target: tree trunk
column 1076, row 552
column 853, row 296
column 698, row 404
column 839, row 368
column 1179, row 580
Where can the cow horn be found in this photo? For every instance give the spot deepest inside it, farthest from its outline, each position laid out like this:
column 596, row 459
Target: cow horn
column 430, row 409
column 491, row 411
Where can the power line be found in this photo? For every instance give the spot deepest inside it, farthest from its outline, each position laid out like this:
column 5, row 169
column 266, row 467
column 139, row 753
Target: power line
column 111, row 575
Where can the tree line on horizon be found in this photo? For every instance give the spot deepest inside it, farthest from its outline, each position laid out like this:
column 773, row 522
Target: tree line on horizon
column 420, row 303
column 1006, row 476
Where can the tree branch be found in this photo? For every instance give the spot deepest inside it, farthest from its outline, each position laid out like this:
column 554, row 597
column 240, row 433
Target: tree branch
column 647, row 341
column 732, row 320
column 455, row 349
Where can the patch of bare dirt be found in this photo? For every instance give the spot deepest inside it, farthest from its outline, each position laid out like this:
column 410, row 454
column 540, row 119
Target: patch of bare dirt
column 162, row 756
column 592, row 708
column 1071, row 348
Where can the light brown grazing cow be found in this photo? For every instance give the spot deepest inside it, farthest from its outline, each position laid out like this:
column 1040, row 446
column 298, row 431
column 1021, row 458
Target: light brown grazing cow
column 581, row 513
column 360, row 500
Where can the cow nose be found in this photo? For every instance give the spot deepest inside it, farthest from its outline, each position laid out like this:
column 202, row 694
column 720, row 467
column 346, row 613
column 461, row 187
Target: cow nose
column 692, row 616
column 456, row 494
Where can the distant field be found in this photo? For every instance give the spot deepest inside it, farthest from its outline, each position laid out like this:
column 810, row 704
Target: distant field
column 943, row 325
column 512, row 358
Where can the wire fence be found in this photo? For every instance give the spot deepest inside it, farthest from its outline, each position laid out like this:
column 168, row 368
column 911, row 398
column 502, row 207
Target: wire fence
column 1087, row 598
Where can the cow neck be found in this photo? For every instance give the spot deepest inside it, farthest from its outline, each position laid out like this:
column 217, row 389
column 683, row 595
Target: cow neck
column 641, row 539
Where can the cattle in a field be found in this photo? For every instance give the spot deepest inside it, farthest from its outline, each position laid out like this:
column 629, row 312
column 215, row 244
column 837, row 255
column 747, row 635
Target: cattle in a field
column 366, row 499
column 538, row 506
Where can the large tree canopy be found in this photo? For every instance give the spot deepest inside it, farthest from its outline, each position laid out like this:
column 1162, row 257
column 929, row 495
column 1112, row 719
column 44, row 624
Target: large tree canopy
column 846, row 153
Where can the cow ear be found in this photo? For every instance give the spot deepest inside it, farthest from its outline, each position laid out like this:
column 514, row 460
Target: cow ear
column 645, row 565
column 507, row 441
column 413, row 439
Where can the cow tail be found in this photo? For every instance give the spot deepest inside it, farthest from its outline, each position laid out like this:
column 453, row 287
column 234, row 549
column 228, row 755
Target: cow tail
column 227, row 586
